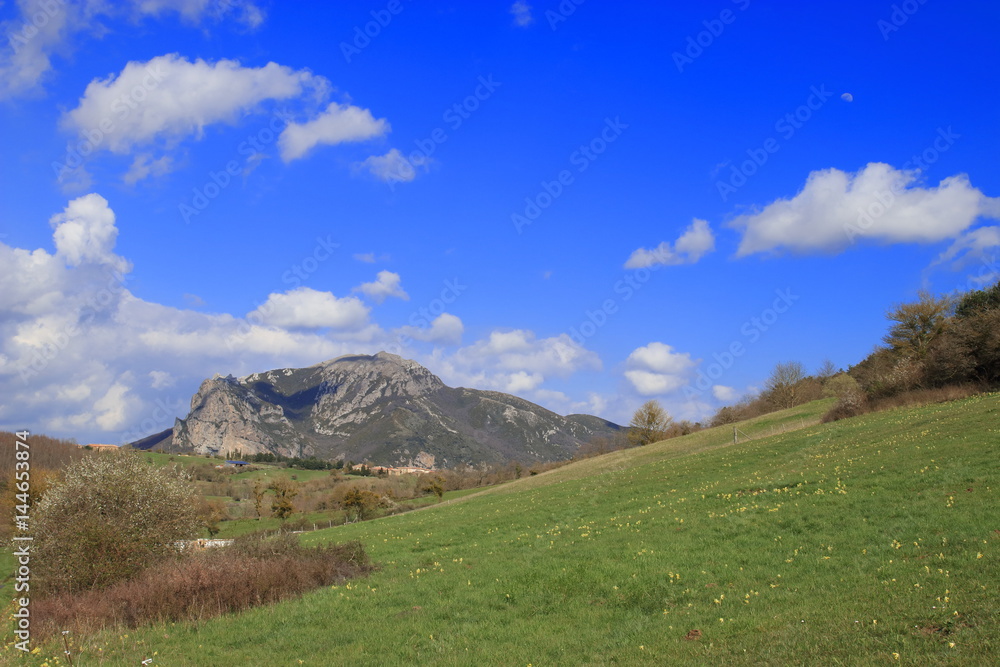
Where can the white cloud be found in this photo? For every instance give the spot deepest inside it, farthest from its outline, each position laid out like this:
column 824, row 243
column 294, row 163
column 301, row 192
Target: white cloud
column 112, row 409
column 696, row 242
column 522, row 13
column 45, row 27
column 648, row 383
column 877, row 203
column 657, row 369
column 445, row 328
column 154, row 106
column 338, row 124
column 724, row 393
column 161, row 379
column 386, row 285
column 391, row 167
column 144, row 166
column 494, row 362
column 304, row 307
column 170, row 98
column 366, row 257
column 85, row 232
column 522, row 381
column 970, row 246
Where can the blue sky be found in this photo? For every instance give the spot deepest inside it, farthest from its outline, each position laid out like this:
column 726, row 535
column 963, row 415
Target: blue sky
column 587, row 205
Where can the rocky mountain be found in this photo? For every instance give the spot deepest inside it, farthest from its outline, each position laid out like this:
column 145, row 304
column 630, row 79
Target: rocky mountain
column 382, row 409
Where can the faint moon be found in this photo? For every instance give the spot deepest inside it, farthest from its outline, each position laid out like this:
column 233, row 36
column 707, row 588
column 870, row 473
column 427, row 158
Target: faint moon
column 847, row 97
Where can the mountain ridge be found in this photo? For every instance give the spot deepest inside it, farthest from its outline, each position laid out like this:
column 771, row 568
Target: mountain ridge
column 380, row 408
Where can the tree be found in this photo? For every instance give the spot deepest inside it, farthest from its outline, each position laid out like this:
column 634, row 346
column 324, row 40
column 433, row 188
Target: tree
column 917, row 325
column 109, row 518
column 361, row 502
column 649, row 424
column 826, row 370
column 284, row 491
column 781, row 384
column 211, row 513
column 434, row 486
column 258, row 497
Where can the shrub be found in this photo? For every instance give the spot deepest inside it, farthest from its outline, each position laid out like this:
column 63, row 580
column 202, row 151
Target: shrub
column 252, row 572
column 110, row 517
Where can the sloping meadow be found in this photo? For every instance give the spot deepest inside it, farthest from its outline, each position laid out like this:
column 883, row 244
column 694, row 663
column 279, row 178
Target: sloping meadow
column 869, row 540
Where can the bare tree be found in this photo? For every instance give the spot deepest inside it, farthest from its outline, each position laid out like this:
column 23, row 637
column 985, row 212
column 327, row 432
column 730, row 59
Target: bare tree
column 781, row 385
column 826, row 370
column 649, row 423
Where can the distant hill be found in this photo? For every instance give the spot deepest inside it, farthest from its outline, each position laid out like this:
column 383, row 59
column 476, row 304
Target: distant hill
column 382, row 409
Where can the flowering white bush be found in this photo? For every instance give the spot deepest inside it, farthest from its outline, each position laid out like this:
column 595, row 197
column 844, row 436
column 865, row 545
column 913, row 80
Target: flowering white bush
column 111, row 516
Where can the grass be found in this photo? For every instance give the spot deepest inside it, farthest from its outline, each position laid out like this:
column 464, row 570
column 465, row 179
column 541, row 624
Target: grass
column 871, row 540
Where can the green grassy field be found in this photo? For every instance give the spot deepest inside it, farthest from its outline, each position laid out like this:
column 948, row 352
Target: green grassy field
column 867, row 541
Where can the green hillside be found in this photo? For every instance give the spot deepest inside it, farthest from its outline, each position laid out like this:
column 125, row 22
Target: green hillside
column 866, row 541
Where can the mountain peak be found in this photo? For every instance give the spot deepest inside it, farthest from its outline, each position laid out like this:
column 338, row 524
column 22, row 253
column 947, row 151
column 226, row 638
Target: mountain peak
column 379, row 408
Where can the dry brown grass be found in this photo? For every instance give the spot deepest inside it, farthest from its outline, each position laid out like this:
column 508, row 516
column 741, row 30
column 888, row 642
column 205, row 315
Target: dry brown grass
column 200, row 585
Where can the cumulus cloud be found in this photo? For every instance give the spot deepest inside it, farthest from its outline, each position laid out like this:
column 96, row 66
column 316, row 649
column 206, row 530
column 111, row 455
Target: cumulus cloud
column 90, row 360
column 85, row 232
column 445, row 328
column 84, row 357
column 696, row 242
column 337, row 124
column 657, row 369
column 304, row 307
column 522, row 381
column 878, row 203
column 522, row 13
column 515, row 358
column 170, row 97
column 385, row 285
column 154, row 106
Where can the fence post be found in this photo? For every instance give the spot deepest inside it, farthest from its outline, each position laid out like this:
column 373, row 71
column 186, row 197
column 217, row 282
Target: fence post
column 735, row 437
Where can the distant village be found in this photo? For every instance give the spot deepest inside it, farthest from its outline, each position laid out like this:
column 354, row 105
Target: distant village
column 375, row 470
